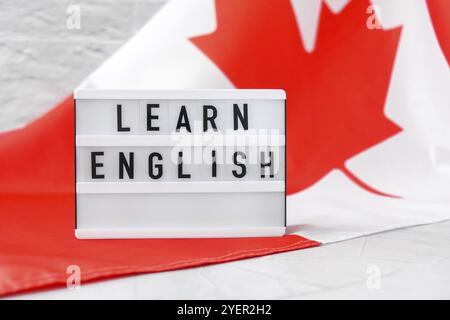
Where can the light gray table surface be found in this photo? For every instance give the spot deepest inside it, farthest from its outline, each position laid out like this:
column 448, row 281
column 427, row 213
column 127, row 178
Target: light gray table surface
column 411, row 263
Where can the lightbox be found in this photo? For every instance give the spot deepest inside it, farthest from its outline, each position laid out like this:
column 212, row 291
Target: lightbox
column 180, row 164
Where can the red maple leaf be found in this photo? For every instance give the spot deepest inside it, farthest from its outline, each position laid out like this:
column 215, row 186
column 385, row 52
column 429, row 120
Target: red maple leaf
column 335, row 95
column 439, row 13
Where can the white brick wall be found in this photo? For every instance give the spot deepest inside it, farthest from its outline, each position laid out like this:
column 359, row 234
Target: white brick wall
column 41, row 60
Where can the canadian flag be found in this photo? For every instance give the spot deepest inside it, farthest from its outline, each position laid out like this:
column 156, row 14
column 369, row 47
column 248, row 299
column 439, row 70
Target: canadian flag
column 368, row 114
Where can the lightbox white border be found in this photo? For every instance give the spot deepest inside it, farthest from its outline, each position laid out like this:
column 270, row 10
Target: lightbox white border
column 203, row 94
column 180, row 187
column 179, row 233
column 205, row 140
column 209, row 94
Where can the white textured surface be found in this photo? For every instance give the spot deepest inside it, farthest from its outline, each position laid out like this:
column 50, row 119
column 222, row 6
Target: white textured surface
column 42, row 61
column 414, row 263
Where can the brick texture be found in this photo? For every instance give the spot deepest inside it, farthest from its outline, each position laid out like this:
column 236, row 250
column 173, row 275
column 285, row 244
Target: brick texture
column 42, row 60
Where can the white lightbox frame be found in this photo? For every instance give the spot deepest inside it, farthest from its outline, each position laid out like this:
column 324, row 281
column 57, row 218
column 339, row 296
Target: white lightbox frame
column 106, row 200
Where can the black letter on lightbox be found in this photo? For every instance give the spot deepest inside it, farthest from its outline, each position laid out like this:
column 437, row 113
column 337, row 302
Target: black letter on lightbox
column 119, row 119
column 265, row 164
column 95, row 165
column 214, row 164
column 158, row 167
column 151, row 117
column 183, row 120
column 238, row 115
column 209, row 119
column 181, row 175
column 241, row 165
column 129, row 167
